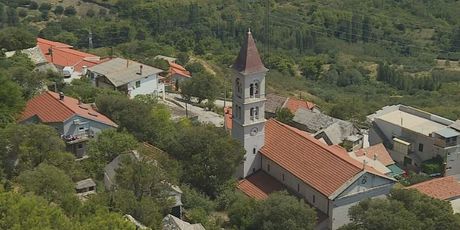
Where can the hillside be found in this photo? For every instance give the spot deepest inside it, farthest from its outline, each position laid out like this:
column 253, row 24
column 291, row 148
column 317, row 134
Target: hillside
column 327, row 51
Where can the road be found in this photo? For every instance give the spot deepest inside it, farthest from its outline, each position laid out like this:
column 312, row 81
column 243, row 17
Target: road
column 202, row 114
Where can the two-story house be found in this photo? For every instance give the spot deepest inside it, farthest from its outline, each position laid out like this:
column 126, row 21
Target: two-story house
column 413, row 136
column 75, row 121
column 130, row 77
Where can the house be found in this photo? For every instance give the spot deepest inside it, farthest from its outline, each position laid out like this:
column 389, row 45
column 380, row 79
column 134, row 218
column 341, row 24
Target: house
column 177, row 74
column 130, row 77
column 171, row 222
column 379, row 158
column 341, row 132
column 280, row 156
column 72, row 63
column 85, row 187
column 414, row 136
column 275, row 102
column 444, row 188
column 74, row 121
column 110, row 170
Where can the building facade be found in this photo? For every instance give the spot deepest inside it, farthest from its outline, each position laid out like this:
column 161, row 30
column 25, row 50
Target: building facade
column 413, row 136
column 128, row 76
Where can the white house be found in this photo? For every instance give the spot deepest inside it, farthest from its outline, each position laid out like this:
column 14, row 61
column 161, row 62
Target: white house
column 127, row 76
column 280, row 156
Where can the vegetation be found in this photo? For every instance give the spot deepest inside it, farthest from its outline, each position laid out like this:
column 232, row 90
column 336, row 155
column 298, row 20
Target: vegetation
column 349, row 57
column 405, row 209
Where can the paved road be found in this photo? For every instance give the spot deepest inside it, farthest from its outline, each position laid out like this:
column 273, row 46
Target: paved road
column 202, row 114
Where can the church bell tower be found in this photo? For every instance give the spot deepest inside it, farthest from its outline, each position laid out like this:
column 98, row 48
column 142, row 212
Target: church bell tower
column 248, row 102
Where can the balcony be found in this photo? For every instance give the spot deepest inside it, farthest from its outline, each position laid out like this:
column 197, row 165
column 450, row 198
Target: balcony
column 78, row 138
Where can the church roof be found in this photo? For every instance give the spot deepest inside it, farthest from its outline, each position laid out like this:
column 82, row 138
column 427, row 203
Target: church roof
column 322, row 167
column 248, row 60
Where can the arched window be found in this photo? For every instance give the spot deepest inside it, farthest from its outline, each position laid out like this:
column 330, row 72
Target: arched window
column 256, row 112
column 257, row 89
column 238, row 85
column 252, row 113
column 251, row 90
column 254, row 151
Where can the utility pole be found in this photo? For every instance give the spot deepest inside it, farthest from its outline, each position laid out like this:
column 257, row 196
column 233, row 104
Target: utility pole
column 90, row 39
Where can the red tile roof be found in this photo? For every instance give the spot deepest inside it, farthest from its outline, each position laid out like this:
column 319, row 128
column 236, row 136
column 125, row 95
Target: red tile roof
column 378, row 150
column 248, row 60
column 65, row 55
column 259, row 185
column 443, row 188
column 48, row 108
column 322, row 167
column 178, row 69
column 294, row 104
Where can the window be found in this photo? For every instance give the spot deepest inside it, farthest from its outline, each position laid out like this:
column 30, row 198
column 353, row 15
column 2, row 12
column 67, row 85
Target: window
column 420, row 147
column 138, row 84
column 268, row 167
column 251, row 90
column 254, row 151
column 256, row 89
column 238, row 85
column 283, row 176
column 252, row 113
column 314, row 198
column 256, row 112
column 81, row 128
column 298, row 187
column 80, row 146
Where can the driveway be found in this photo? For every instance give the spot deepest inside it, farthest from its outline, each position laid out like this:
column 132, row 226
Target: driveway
column 202, row 114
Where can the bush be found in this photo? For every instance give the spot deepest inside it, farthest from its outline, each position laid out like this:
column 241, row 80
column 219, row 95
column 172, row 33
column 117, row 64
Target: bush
column 433, row 166
column 44, row 7
column 33, row 5
column 70, row 11
column 59, row 10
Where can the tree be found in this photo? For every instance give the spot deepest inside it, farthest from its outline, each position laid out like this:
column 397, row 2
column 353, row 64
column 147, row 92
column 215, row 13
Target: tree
column 13, row 38
column 404, row 209
column 105, row 220
column 70, row 11
column 202, row 86
column 11, row 100
column 90, row 13
column 208, row 155
column 107, row 146
column 59, row 10
column 31, row 82
column 284, row 115
column 45, row 7
column 311, row 67
column 30, row 212
column 48, row 182
column 279, row 211
column 33, row 5
column 23, row 147
column 12, row 16
column 183, row 58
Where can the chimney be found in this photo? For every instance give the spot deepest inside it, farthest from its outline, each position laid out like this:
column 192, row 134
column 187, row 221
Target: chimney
column 61, row 96
column 140, row 69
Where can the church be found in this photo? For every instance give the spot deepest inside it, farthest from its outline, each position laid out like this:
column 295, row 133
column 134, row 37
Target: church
column 281, row 157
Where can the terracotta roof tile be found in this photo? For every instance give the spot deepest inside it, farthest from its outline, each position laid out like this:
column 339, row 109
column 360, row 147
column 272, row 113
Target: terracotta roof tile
column 322, row 167
column 259, row 185
column 378, row 150
column 294, row 104
column 48, row 108
column 248, row 60
column 65, row 55
column 178, row 69
column 443, row 188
